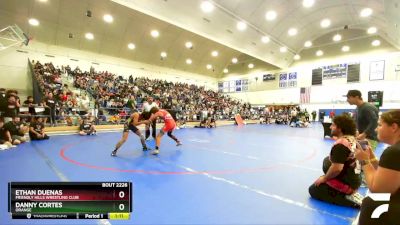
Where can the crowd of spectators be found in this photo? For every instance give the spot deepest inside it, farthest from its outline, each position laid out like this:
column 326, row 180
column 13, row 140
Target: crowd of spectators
column 192, row 102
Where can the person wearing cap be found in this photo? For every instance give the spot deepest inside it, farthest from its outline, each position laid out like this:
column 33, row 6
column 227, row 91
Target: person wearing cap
column 367, row 117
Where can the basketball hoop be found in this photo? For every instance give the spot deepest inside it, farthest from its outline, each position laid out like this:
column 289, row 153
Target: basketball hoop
column 12, row 36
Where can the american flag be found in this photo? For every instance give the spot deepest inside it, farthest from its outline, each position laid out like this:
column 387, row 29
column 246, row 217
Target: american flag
column 305, row 95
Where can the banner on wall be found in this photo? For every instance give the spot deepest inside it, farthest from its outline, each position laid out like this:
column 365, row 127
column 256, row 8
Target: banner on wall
column 226, row 86
column 292, row 79
column 220, row 87
column 334, row 71
column 268, row 77
column 283, row 80
column 233, row 86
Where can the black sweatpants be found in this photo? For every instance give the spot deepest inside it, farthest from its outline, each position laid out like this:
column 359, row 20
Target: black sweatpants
column 327, row 194
column 33, row 137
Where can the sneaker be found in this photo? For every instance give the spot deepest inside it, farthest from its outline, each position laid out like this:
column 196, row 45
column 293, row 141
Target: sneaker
column 146, row 149
column 178, row 143
column 155, row 152
column 356, row 198
column 114, row 153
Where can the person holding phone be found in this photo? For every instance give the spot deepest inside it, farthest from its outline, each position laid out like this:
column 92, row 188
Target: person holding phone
column 383, row 176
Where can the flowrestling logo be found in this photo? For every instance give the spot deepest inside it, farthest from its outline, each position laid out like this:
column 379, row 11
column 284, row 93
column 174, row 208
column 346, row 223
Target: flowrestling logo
column 381, row 197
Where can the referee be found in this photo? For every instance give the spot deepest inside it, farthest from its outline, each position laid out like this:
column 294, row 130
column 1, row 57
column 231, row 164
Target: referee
column 147, row 105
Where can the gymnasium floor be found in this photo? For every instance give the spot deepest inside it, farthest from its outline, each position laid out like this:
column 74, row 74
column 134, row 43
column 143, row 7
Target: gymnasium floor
column 253, row 174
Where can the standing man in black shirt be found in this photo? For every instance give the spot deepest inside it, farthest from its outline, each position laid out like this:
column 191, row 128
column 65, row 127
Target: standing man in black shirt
column 51, row 103
column 341, row 177
column 36, row 130
column 366, row 118
column 383, row 176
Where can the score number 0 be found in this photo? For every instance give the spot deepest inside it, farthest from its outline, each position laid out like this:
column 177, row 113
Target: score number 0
column 121, row 195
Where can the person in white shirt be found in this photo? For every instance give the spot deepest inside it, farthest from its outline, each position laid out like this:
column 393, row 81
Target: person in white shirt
column 147, row 106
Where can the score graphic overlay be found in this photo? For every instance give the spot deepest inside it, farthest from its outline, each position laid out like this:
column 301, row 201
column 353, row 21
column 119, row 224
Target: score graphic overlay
column 70, row 200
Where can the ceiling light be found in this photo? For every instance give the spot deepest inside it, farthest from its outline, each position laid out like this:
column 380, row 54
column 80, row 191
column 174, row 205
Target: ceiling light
column 325, row 23
column 307, row 44
column 155, row 33
column 265, row 39
column 209, row 67
column 308, row 3
column 337, row 37
column 108, row 18
column 283, row 49
column 234, row 60
column 189, row 45
column 366, row 12
column 241, row 26
column 345, row 48
column 131, row 46
column 188, row 61
column 376, row 43
column 319, row 53
column 89, row 36
column 214, row 53
column 292, row 31
column 226, row 70
column 270, row 15
column 207, row 6
column 33, row 22
column 42, row 0
column 296, row 57
column 163, row 54
column 251, row 66
column 372, row 30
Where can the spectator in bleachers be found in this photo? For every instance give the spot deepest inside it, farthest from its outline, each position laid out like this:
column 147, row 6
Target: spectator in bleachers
column 15, row 131
column 3, row 137
column 3, row 100
column 36, row 129
column 72, row 119
column 31, row 105
column 12, row 107
column 131, row 104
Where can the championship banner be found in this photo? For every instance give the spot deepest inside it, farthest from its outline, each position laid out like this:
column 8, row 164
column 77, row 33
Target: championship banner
column 268, row 77
column 283, row 80
column 238, row 86
column 220, row 87
column 226, row 86
column 292, row 79
column 334, row 71
column 245, row 85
